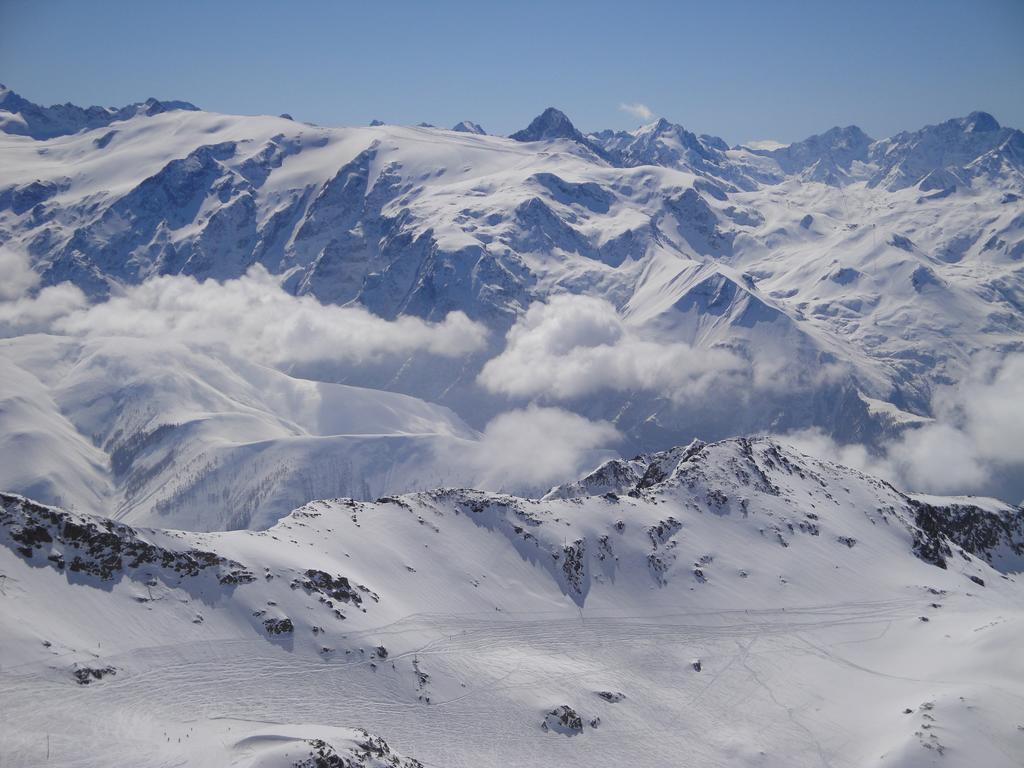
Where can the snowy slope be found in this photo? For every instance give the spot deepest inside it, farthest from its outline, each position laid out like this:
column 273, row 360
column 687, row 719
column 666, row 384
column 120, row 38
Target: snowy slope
column 20, row 116
column 161, row 434
column 895, row 260
column 737, row 603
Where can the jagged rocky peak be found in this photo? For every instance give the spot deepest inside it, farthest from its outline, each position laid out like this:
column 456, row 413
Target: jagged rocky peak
column 624, row 476
column 468, row 126
column 156, row 106
column 975, row 127
column 661, row 143
column 668, row 144
column 663, row 128
column 969, row 147
column 715, row 142
column 11, row 101
column 836, row 149
column 740, row 472
column 554, row 124
column 979, row 122
column 26, row 118
column 661, row 125
column 549, row 124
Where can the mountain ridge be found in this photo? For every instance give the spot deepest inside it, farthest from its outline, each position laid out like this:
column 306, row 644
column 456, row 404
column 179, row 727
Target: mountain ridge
column 879, row 292
column 410, row 603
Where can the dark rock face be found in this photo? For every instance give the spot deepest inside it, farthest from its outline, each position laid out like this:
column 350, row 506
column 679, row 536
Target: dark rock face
column 549, row 124
column 86, row 675
column 574, row 567
column 333, row 587
column 279, row 626
column 563, row 719
column 554, row 124
column 24, row 198
column 368, row 748
column 468, row 126
column 987, row 535
column 99, row 547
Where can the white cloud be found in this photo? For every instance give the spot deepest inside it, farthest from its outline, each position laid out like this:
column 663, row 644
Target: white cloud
column 31, row 314
column 17, row 277
column 252, row 316
column 816, row 443
column 975, row 440
column 574, row 346
column 639, row 111
column 978, row 429
column 530, row 450
column 21, row 311
column 768, row 144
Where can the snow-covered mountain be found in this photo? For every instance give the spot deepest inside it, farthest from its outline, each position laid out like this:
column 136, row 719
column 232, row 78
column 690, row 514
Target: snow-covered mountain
column 208, row 322
column 709, row 600
column 553, row 124
column 161, row 434
column 20, row 116
column 936, row 158
column 828, row 158
column 468, row 126
column 666, row 144
column 838, row 284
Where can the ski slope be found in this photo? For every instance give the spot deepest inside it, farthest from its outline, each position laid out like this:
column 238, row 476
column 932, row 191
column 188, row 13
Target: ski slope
column 752, row 606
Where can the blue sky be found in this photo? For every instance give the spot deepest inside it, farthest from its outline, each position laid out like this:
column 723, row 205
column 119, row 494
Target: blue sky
column 741, row 70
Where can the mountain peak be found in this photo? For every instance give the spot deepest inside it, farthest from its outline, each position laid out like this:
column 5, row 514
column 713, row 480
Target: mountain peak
column 41, row 122
column 11, row 101
column 980, row 122
column 554, row 124
column 468, row 126
column 550, row 124
column 826, row 157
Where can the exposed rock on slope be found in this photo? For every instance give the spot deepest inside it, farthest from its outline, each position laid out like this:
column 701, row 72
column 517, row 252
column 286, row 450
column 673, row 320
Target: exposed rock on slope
column 744, row 561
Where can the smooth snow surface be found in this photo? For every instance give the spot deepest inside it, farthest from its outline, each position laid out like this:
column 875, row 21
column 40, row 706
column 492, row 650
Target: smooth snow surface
column 161, row 435
column 740, row 603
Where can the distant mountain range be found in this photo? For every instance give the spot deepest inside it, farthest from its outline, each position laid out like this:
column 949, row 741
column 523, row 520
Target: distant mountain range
column 401, row 447
column 846, row 279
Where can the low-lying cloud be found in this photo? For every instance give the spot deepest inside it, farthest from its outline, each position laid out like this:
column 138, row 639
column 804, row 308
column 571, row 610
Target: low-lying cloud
column 974, row 444
column 17, row 277
column 532, row 449
column 560, row 352
column 574, row 346
column 251, row 316
column 20, row 310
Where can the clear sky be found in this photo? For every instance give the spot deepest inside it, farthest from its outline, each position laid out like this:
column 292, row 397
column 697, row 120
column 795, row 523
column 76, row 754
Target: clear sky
column 776, row 69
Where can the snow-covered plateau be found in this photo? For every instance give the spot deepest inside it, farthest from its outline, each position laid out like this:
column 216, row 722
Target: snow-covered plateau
column 251, row 369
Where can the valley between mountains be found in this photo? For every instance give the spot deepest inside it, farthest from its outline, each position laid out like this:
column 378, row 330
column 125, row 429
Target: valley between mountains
column 406, row 446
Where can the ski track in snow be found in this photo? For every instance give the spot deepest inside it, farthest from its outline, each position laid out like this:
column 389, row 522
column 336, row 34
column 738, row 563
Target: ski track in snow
column 204, row 685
